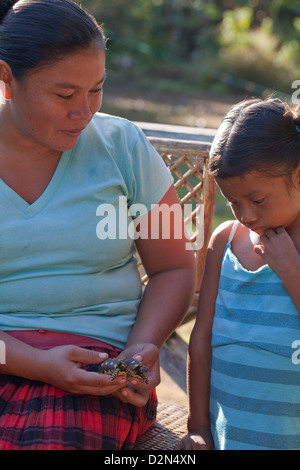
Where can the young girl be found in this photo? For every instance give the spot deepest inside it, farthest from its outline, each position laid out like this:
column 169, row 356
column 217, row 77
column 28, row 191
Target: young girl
column 244, row 381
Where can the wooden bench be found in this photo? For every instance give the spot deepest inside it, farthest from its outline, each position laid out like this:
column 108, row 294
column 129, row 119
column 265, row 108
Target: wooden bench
column 186, row 153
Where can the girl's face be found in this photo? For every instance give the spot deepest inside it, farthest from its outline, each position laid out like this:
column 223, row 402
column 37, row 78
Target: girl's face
column 53, row 105
column 260, row 202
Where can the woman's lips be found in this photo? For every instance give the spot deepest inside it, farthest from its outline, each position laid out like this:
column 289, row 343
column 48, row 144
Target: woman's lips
column 73, row 132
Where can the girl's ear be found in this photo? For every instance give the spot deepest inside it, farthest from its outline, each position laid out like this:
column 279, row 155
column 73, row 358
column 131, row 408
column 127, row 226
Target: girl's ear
column 296, row 177
column 6, row 77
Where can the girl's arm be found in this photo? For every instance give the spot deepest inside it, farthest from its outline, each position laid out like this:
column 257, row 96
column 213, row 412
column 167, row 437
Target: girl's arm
column 169, row 292
column 280, row 253
column 199, row 360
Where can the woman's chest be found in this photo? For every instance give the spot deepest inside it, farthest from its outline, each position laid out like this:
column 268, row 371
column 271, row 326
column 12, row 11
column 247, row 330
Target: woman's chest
column 29, row 178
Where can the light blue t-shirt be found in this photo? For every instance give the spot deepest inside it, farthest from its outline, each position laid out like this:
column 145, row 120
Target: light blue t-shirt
column 66, row 261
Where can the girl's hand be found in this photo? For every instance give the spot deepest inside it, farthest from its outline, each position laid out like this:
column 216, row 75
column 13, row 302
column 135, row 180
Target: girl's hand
column 62, row 367
column 197, row 441
column 281, row 254
column 279, row 251
column 136, row 391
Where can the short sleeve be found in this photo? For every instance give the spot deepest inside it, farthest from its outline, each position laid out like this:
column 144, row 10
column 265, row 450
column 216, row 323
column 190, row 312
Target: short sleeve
column 128, row 160
column 151, row 178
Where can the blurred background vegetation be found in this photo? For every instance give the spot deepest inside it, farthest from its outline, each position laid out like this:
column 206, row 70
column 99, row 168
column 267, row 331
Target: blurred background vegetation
column 186, row 62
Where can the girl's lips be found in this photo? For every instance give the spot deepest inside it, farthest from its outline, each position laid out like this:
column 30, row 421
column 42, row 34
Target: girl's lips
column 256, row 229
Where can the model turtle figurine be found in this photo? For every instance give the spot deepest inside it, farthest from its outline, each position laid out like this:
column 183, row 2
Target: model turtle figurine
column 130, row 367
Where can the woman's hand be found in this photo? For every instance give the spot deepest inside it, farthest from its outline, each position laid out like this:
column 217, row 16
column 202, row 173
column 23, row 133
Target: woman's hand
column 62, row 367
column 136, row 391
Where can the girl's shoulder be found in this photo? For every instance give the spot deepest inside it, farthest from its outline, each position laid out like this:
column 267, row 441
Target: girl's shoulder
column 242, row 242
column 222, row 234
column 216, row 248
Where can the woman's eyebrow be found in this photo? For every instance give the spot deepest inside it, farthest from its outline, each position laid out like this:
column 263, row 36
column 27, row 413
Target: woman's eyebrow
column 76, row 87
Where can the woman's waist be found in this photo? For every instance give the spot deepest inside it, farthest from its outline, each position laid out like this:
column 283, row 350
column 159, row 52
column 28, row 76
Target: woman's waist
column 45, row 339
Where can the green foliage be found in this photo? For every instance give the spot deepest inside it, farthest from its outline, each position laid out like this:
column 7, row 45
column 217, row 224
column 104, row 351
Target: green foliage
column 254, row 40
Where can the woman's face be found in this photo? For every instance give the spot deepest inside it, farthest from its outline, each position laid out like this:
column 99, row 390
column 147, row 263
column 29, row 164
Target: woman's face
column 52, row 106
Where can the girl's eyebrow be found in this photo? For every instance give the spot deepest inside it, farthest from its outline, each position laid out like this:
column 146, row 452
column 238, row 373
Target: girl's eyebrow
column 253, row 193
column 69, row 85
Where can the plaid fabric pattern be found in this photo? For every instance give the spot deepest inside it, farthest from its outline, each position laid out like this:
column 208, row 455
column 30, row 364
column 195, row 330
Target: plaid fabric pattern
column 38, row 416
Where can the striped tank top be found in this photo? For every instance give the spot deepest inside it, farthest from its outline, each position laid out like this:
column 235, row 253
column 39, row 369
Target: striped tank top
column 255, row 377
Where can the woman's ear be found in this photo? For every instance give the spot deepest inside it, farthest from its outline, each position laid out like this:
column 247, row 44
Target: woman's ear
column 6, row 77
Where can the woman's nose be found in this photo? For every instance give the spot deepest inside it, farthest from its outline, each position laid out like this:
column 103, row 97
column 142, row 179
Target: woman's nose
column 81, row 111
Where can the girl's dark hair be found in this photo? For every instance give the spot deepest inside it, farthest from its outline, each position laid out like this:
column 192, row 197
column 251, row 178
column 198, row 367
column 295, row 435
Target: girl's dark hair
column 34, row 33
column 257, row 135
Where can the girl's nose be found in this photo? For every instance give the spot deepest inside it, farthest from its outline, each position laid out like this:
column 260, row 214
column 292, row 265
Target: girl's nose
column 248, row 216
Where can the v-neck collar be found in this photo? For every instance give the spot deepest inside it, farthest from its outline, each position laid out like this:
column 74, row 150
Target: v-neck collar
column 31, row 209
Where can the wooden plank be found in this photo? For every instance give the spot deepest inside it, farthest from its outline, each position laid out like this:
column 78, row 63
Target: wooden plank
column 173, row 358
column 180, row 146
column 177, row 132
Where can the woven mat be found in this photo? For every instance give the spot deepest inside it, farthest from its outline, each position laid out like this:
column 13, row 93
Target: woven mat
column 168, row 429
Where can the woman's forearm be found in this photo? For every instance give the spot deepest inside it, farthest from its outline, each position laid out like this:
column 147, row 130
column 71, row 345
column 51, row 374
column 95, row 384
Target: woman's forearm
column 166, row 299
column 21, row 359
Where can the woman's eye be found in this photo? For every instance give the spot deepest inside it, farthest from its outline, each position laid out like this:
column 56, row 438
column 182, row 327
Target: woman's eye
column 259, row 201
column 65, row 97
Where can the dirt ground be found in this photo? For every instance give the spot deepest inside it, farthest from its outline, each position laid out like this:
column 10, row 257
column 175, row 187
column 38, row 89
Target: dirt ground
column 139, row 102
column 168, row 391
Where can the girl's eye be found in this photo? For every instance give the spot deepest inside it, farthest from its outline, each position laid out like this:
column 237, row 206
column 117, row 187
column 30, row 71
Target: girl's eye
column 98, row 90
column 259, row 201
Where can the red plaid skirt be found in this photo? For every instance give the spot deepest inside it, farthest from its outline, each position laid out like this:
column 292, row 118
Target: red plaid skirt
column 38, row 416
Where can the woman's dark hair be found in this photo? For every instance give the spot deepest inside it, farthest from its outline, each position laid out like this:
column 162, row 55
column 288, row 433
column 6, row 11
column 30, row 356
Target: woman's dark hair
column 35, row 33
column 257, row 135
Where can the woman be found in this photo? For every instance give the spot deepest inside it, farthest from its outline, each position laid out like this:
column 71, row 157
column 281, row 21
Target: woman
column 70, row 292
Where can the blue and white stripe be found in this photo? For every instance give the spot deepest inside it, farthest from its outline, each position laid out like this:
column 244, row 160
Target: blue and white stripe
column 255, row 385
